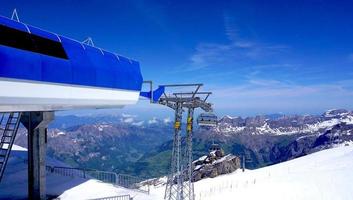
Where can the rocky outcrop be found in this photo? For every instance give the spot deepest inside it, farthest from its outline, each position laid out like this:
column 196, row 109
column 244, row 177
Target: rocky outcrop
column 215, row 164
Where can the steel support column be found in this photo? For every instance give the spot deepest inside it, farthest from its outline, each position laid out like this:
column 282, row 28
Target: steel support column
column 36, row 124
column 173, row 190
column 189, row 132
column 179, row 183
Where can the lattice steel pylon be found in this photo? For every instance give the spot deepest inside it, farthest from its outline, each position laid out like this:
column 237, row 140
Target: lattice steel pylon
column 179, row 184
column 188, row 153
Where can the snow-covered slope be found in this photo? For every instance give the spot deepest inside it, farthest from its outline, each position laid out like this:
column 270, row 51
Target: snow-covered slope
column 14, row 183
column 323, row 175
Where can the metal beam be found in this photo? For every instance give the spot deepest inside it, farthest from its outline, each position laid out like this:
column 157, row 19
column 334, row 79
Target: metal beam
column 151, row 89
column 36, row 124
column 189, row 135
column 184, row 85
column 192, row 93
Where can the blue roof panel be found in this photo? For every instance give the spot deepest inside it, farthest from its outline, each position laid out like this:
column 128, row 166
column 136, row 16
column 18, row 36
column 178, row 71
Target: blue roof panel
column 103, row 68
column 83, row 72
column 42, row 33
column 19, row 64
column 56, row 70
column 125, row 73
column 13, row 24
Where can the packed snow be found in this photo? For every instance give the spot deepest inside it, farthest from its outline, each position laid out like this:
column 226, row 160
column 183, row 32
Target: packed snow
column 14, row 182
column 324, row 175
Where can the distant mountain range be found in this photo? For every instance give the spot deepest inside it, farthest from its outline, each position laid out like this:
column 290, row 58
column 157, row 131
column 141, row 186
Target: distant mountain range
column 283, row 125
column 127, row 145
column 267, row 141
column 109, row 143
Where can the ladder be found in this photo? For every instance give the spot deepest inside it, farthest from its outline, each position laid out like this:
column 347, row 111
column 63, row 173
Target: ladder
column 8, row 138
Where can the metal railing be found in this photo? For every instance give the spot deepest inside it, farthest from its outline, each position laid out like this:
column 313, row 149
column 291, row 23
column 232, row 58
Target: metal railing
column 122, row 180
column 128, row 181
column 82, row 173
column 122, row 197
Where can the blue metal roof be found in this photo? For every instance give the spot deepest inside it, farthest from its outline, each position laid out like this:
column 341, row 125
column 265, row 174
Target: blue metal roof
column 13, row 24
column 42, row 33
column 77, row 64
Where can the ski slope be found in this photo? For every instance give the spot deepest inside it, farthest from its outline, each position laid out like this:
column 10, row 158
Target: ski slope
column 324, row 175
column 14, row 183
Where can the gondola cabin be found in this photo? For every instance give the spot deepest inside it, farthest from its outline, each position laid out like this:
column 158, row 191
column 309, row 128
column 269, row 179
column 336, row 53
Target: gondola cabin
column 214, row 147
column 44, row 71
column 207, row 119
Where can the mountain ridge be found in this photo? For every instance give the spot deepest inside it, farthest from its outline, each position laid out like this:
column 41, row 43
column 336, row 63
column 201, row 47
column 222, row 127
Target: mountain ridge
column 115, row 144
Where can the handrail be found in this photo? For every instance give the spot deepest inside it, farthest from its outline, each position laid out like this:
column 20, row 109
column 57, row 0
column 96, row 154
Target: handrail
column 122, row 180
column 121, row 197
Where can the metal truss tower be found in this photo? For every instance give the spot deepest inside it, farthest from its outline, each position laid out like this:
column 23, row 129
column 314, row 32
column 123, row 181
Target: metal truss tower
column 179, row 183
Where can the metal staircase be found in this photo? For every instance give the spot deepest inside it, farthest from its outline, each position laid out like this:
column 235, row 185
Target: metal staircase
column 9, row 131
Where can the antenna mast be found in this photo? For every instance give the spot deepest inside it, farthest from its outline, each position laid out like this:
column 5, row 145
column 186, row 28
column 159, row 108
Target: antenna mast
column 14, row 15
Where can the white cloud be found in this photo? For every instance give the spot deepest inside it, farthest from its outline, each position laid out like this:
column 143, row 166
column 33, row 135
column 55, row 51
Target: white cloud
column 276, row 66
column 270, row 96
column 152, row 121
column 273, row 88
column 167, row 120
column 230, row 30
column 128, row 120
column 124, row 115
column 140, row 123
column 235, row 50
column 212, row 53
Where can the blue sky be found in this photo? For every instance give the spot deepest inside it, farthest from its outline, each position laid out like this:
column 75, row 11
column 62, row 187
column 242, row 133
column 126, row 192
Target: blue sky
column 256, row 56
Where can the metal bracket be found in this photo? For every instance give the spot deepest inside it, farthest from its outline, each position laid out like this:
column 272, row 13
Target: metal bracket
column 14, row 15
column 88, row 42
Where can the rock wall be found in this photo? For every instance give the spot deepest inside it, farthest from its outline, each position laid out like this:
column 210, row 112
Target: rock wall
column 214, row 165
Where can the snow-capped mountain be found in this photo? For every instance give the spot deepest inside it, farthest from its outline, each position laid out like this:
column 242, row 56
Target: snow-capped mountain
column 284, row 125
column 67, row 121
column 123, row 144
column 103, row 143
column 268, row 140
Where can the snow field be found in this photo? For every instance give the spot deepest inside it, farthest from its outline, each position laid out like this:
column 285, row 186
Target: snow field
column 324, row 175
